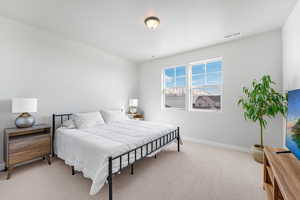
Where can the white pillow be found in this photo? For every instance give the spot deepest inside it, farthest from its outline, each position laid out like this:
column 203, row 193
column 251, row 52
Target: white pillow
column 68, row 124
column 113, row 115
column 87, row 120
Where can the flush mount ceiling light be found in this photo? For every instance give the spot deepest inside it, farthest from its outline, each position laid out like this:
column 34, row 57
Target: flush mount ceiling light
column 152, row 22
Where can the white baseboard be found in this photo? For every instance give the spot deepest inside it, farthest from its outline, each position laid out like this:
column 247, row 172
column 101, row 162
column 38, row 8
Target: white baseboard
column 217, row 144
column 2, row 166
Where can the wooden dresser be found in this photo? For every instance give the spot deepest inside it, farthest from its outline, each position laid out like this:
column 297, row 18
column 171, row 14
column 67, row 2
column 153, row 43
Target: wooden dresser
column 25, row 144
column 281, row 175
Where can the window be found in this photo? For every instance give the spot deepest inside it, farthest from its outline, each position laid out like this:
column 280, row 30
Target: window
column 174, row 88
column 202, row 79
column 206, row 85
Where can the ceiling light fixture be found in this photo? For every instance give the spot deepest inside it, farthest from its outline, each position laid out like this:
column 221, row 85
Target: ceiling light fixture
column 152, row 22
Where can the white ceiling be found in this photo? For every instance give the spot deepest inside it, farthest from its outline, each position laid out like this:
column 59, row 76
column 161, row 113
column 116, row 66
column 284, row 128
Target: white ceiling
column 117, row 26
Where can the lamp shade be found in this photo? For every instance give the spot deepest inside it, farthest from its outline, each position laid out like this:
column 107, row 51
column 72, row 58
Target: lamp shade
column 22, row 105
column 133, row 102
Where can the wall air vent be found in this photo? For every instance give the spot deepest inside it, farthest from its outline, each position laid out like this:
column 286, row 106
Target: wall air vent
column 232, row 35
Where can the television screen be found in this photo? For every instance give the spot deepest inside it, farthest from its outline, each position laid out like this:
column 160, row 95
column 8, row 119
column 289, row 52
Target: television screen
column 293, row 122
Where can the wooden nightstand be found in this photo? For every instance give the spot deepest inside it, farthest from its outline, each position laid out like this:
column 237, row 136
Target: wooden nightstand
column 25, row 144
column 136, row 116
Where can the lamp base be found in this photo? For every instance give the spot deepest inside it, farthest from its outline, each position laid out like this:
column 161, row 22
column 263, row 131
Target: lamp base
column 132, row 110
column 25, row 120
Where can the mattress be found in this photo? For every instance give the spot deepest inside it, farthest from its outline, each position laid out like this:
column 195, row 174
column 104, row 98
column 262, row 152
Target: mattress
column 88, row 149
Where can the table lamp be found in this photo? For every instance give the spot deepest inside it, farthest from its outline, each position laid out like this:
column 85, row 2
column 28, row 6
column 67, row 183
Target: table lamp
column 25, row 106
column 133, row 104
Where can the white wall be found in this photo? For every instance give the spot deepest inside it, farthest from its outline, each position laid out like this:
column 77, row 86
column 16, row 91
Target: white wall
column 291, row 50
column 65, row 76
column 243, row 60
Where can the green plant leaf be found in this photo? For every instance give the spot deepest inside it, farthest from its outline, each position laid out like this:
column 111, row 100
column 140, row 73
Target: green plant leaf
column 262, row 100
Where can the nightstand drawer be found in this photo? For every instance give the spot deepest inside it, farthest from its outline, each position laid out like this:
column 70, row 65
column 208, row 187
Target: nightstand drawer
column 23, row 149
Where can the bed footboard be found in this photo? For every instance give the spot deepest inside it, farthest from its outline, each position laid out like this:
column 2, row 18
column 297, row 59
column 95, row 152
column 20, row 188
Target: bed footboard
column 149, row 148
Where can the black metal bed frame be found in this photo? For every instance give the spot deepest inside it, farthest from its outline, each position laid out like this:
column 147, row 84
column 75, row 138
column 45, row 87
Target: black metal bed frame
column 150, row 148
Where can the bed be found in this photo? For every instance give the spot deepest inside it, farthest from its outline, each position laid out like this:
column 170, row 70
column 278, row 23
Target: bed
column 102, row 151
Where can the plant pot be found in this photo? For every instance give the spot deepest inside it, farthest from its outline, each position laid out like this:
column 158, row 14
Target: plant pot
column 257, row 152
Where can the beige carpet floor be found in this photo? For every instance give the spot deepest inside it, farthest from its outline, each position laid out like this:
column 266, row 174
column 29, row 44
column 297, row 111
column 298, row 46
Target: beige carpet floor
column 199, row 172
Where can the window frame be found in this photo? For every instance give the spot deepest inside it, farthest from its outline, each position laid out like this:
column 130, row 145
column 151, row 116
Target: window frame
column 188, row 86
column 163, row 87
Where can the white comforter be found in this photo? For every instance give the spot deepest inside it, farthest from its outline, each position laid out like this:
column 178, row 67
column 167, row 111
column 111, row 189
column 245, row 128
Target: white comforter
column 88, row 149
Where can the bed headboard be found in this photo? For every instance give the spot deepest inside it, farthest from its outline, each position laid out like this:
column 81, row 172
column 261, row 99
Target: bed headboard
column 57, row 119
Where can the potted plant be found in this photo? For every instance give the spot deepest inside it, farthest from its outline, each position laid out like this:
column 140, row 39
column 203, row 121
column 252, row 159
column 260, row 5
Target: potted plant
column 259, row 102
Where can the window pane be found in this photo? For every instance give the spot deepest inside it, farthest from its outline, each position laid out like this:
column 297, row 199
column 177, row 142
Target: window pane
column 208, row 90
column 198, row 69
column 215, row 66
column 208, row 97
column 198, row 80
column 214, row 78
column 175, row 98
column 169, row 78
column 180, row 71
column 180, row 82
column 170, row 84
column 207, row 102
column 170, row 72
